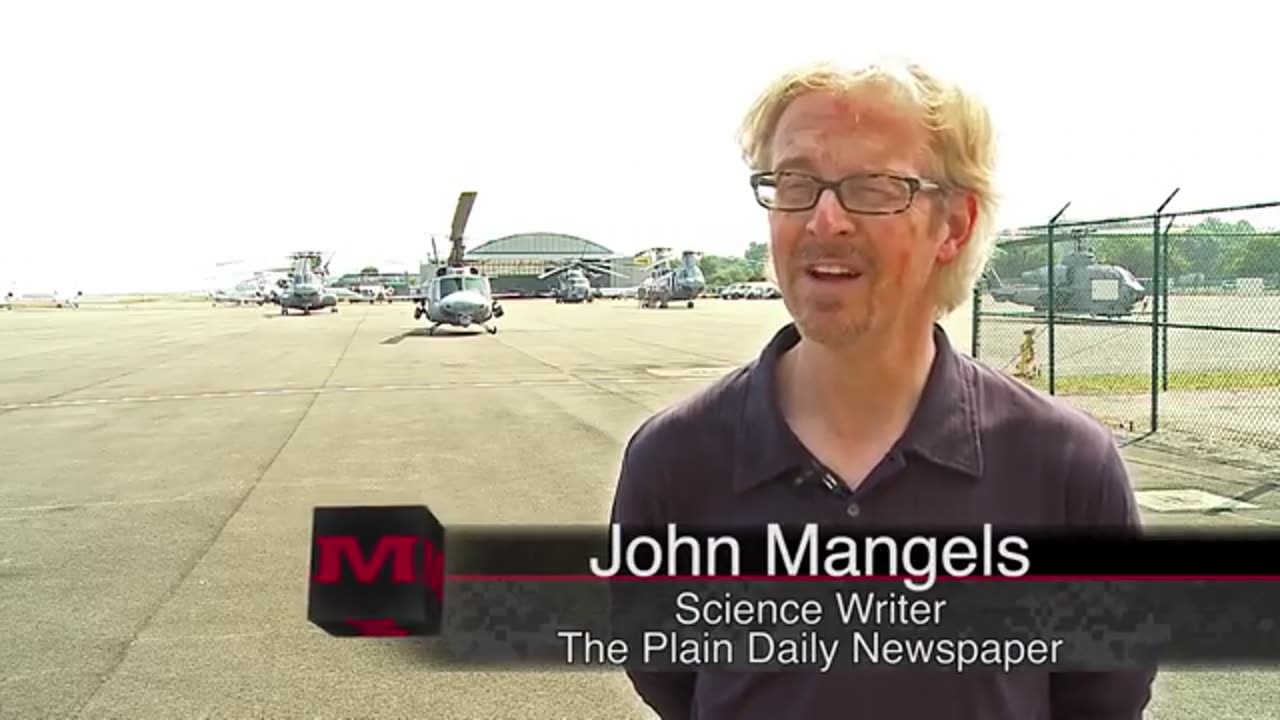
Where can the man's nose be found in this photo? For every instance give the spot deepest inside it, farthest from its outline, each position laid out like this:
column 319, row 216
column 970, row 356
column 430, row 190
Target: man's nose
column 829, row 217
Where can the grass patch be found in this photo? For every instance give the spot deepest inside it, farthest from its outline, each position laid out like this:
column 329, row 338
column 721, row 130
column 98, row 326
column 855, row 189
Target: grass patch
column 1140, row 383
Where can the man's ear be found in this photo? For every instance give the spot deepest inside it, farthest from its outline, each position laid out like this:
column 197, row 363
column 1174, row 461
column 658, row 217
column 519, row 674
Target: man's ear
column 957, row 226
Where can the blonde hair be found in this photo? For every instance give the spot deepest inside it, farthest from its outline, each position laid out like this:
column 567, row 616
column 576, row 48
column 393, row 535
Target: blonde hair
column 961, row 140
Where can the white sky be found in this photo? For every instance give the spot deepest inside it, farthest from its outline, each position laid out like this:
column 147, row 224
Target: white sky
column 143, row 142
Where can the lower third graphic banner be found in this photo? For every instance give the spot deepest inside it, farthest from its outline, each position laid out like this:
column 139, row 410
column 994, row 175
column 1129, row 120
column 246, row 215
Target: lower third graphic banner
column 827, row 601
column 964, row 625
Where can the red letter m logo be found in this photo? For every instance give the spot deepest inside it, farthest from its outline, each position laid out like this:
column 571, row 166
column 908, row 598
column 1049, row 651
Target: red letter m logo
column 332, row 550
column 376, row 570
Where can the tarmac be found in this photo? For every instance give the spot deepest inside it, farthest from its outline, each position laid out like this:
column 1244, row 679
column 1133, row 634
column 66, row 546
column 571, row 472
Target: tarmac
column 161, row 463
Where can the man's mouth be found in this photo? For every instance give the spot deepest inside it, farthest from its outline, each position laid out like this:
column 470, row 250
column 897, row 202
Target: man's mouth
column 831, row 272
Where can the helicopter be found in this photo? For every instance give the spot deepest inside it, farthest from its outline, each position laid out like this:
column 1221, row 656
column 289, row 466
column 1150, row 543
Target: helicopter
column 1083, row 287
column 670, row 279
column 304, row 290
column 458, row 296
column 574, row 284
column 259, row 287
column 242, row 294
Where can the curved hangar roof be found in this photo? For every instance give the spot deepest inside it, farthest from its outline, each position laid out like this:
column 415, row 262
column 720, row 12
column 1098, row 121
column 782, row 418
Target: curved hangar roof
column 539, row 245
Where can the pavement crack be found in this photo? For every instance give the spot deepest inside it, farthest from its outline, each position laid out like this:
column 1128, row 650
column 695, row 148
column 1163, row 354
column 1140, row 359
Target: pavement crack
column 183, row 354
column 686, row 351
column 1248, row 496
column 574, row 376
column 118, row 661
column 1172, row 466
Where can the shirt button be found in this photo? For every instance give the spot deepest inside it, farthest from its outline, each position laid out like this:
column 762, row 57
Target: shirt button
column 853, row 510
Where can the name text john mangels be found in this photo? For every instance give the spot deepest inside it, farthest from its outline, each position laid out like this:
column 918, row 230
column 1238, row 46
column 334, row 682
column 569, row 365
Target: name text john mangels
column 806, row 553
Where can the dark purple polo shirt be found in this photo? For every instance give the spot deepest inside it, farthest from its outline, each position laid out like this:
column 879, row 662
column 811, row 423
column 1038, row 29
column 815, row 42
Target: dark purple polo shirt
column 981, row 448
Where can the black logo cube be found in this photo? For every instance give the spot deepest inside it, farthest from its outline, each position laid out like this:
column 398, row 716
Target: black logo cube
column 376, row 571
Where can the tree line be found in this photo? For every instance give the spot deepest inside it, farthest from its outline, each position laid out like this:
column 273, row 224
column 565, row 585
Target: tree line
column 722, row 270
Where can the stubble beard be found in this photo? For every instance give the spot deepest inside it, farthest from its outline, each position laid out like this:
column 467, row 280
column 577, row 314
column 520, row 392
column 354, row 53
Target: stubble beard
column 833, row 323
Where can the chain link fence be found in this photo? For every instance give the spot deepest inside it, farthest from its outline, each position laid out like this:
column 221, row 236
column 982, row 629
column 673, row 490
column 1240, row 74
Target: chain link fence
column 1164, row 326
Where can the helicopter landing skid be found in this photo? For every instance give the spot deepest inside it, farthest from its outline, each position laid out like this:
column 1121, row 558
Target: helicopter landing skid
column 491, row 329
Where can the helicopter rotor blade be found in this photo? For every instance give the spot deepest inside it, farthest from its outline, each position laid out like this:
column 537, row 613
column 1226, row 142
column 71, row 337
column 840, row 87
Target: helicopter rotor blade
column 462, row 212
column 598, row 268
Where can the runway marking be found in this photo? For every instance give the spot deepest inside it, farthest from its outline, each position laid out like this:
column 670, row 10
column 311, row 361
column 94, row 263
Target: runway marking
column 690, row 372
column 275, row 392
column 225, row 636
column 185, row 497
column 654, row 375
column 29, row 676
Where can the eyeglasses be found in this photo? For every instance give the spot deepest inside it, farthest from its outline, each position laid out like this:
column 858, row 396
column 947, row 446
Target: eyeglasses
column 863, row 194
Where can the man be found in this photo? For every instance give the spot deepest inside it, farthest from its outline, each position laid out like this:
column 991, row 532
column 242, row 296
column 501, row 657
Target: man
column 879, row 190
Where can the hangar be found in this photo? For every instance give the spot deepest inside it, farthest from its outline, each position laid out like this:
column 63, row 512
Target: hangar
column 514, row 262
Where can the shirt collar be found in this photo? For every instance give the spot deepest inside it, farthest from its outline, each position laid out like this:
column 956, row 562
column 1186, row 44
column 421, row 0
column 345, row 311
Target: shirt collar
column 943, row 429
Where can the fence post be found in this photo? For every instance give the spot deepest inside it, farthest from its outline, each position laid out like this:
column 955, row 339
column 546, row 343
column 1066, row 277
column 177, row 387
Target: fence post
column 1053, row 300
column 1164, row 315
column 977, row 315
column 1156, row 275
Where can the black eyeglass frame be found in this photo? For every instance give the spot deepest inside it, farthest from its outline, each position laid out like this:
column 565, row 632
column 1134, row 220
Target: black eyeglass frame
column 914, row 184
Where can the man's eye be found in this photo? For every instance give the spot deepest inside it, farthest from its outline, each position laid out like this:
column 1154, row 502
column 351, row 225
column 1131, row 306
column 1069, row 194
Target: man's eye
column 793, row 184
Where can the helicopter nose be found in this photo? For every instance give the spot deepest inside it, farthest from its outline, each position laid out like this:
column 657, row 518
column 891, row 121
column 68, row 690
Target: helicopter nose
column 460, row 306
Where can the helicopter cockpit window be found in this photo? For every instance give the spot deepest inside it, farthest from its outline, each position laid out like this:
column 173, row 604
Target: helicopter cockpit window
column 474, row 283
column 449, row 285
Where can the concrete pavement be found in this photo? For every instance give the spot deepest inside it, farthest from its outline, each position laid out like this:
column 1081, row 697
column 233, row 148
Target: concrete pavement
column 160, row 464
